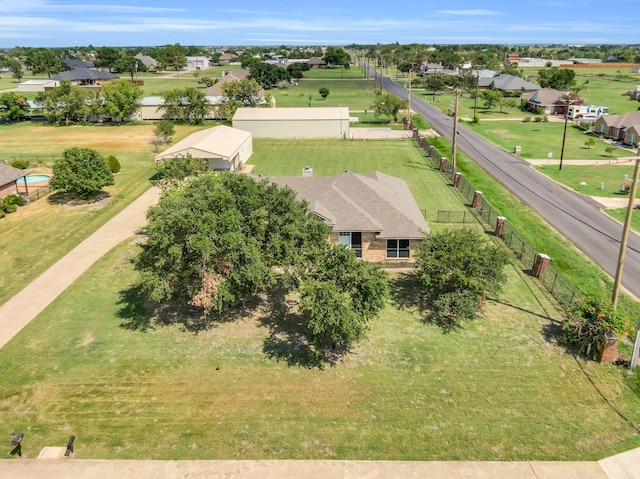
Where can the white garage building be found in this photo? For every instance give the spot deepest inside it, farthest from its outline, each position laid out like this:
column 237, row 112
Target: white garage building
column 294, row 122
column 223, row 147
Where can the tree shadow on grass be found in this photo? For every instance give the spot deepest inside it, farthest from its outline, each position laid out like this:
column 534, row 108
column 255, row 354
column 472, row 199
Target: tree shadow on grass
column 139, row 313
column 68, row 199
column 288, row 338
column 405, row 292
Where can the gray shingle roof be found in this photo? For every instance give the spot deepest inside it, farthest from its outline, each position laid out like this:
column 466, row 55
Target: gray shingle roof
column 350, row 202
column 623, row 120
column 84, row 74
column 510, row 82
column 9, row 174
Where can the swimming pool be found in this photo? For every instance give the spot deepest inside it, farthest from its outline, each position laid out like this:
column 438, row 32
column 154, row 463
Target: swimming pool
column 35, row 179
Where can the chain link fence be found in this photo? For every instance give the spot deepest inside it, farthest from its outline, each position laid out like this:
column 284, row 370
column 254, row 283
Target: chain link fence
column 552, row 279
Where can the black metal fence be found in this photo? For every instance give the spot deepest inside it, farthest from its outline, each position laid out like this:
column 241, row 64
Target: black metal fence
column 552, row 279
column 455, row 217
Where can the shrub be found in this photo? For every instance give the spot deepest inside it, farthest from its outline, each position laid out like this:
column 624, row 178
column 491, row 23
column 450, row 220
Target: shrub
column 20, row 164
column 588, row 323
column 526, row 119
column 14, row 200
column 113, row 164
column 537, row 119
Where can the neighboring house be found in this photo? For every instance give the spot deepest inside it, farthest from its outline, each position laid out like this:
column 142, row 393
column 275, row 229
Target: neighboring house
column 316, row 62
column 552, row 102
column 37, row 85
column 150, row 109
column 294, row 122
column 9, row 177
column 225, row 58
column 150, row 63
column 631, row 134
column 429, row 68
column 197, row 63
column 507, row 83
column 613, row 126
column 223, row 148
column 85, row 76
column 232, row 75
column 375, row 214
column 71, row 63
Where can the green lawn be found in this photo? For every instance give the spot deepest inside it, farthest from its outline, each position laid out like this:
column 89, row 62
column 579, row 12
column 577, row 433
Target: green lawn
column 501, row 389
column 36, row 236
column 356, row 94
column 537, row 140
column 602, row 180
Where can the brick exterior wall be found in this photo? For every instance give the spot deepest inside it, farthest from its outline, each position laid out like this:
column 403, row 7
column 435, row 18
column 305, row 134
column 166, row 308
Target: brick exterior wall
column 374, row 250
column 7, row 190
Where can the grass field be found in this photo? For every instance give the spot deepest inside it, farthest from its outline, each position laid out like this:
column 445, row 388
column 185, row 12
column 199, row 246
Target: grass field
column 38, row 235
column 356, row 94
column 501, row 389
column 539, row 139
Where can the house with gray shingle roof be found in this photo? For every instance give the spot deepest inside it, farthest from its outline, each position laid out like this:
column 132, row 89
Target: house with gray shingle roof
column 506, row 83
column 550, row 101
column 85, row 76
column 149, row 63
column 373, row 214
column 613, row 126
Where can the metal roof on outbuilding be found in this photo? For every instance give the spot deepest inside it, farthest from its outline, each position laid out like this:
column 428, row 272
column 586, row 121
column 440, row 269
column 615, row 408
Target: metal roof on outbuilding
column 289, row 114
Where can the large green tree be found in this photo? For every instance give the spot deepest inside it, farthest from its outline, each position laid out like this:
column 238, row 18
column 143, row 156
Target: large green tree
column 44, row 61
column 128, row 63
column 83, row 172
column 13, row 107
column 66, row 103
column 213, row 242
column 267, row 75
column 186, row 105
column 562, row 79
column 16, row 68
column 388, row 105
column 121, row 98
column 239, row 93
column 339, row 296
column 106, row 57
column 457, row 269
column 172, row 57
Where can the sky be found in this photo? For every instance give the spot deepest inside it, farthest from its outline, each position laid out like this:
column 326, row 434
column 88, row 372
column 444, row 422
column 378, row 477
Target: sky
column 65, row 23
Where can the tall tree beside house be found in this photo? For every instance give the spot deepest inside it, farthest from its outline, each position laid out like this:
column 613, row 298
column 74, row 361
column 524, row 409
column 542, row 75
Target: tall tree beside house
column 65, row 104
column 128, row 63
column 267, row 75
column 121, row 98
column 81, row 172
column 106, row 57
column 186, row 105
column 44, row 61
column 336, row 56
column 457, row 269
column 563, row 79
column 172, row 57
column 217, row 241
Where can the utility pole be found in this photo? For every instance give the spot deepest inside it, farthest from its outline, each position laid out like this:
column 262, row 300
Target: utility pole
column 625, row 233
column 455, row 135
column 409, row 102
column 475, row 101
column 564, row 134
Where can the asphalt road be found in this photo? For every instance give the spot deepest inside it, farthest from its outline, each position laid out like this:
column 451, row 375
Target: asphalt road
column 576, row 217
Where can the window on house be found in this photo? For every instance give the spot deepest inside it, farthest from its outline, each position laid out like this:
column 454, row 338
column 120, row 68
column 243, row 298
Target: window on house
column 398, row 248
column 351, row 240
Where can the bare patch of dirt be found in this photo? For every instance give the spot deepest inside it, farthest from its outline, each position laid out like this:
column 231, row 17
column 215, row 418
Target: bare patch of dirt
column 501, row 133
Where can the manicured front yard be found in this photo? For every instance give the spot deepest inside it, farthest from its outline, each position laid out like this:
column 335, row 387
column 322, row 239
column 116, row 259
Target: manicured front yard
column 93, row 365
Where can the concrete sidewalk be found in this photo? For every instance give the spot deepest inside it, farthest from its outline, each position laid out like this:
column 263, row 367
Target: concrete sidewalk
column 16, row 313
column 628, row 468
